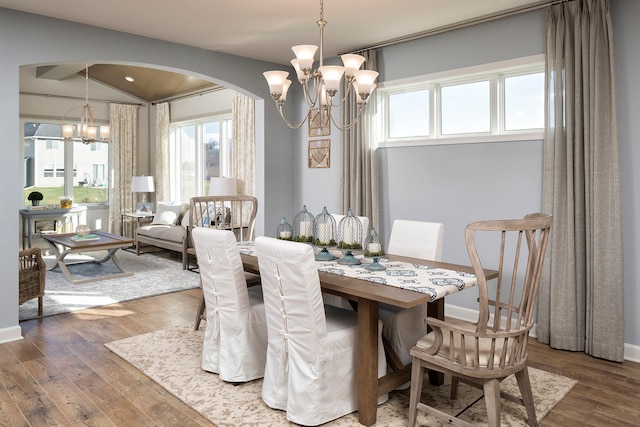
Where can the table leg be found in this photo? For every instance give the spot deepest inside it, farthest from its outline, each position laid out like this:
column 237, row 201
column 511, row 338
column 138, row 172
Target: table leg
column 63, row 266
column 436, row 309
column 367, row 369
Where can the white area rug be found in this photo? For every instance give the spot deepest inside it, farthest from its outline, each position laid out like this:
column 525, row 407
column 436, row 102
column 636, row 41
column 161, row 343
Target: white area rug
column 171, row 357
column 153, row 275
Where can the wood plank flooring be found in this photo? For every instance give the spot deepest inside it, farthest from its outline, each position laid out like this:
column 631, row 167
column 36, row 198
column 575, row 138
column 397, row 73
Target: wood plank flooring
column 62, row 375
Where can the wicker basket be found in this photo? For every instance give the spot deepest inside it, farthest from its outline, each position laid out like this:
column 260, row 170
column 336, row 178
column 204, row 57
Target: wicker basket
column 31, row 276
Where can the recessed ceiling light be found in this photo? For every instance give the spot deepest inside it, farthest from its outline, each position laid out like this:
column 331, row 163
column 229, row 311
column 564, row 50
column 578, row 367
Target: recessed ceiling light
column 129, row 79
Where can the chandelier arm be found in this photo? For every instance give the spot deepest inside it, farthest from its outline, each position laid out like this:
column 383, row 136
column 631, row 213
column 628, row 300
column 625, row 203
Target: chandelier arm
column 344, row 98
column 351, row 124
column 291, row 125
column 311, row 100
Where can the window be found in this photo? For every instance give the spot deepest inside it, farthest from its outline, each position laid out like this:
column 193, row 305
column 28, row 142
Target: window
column 466, row 108
column 59, row 168
column 200, row 149
column 493, row 102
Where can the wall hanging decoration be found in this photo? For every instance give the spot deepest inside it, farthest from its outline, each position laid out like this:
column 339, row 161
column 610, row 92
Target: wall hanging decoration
column 320, row 153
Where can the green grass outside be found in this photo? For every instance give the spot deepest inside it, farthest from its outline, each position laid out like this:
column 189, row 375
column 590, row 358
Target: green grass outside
column 52, row 195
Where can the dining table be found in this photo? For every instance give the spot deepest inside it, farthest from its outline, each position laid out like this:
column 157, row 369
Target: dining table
column 403, row 284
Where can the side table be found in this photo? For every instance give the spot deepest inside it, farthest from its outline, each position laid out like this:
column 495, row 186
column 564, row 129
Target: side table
column 136, row 219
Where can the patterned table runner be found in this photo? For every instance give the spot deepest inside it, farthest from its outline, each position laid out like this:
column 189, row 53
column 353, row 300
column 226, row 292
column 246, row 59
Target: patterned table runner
column 436, row 282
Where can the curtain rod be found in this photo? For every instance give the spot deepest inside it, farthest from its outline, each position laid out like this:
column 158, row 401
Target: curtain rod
column 463, row 24
column 189, row 95
column 79, row 98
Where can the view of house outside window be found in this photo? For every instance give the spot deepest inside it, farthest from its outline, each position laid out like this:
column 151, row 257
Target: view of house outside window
column 48, row 160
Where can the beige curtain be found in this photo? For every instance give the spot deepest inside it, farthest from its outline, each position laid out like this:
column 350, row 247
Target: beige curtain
column 162, row 174
column 123, row 156
column 244, row 144
column 581, row 301
column 359, row 183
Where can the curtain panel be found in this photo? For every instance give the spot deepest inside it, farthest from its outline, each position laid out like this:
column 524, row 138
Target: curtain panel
column 163, row 177
column 123, row 156
column 581, row 301
column 359, row 181
column 244, row 144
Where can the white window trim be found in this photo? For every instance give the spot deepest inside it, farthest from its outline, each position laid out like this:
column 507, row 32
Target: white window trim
column 432, row 82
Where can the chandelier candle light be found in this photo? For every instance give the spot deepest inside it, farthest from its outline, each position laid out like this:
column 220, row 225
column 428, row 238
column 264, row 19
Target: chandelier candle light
column 86, row 131
column 326, row 81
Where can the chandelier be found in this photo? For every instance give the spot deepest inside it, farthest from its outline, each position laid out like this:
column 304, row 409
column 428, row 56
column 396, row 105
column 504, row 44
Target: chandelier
column 85, row 131
column 321, row 85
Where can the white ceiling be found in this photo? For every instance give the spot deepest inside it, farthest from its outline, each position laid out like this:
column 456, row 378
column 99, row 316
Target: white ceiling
column 267, row 29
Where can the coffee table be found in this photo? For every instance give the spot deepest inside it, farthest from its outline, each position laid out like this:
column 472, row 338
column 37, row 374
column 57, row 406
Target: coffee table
column 105, row 241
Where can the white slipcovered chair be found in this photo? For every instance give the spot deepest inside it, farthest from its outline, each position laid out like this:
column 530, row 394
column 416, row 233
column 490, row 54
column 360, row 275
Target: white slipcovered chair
column 235, row 338
column 311, row 355
column 402, row 328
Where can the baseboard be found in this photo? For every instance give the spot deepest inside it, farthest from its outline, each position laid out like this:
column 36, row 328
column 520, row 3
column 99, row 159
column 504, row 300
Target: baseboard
column 631, row 352
column 14, row 333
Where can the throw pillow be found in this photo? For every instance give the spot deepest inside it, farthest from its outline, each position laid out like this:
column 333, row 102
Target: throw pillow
column 186, row 219
column 166, row 214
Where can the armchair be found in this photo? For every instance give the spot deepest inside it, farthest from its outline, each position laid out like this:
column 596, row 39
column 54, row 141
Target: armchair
column 484, row 353
column 31, row 276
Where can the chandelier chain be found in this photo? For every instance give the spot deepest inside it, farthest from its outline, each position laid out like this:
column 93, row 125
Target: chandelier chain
column 86, row 84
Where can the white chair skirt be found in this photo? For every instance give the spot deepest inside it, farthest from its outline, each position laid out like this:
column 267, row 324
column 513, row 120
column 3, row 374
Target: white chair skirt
column 316, row 393
column 227, row 352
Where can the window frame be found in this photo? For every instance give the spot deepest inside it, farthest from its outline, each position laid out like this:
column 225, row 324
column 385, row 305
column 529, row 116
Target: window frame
column 495, row 72
column 226, row 129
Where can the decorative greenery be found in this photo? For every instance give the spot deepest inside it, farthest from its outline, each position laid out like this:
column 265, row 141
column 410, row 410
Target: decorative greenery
column 319, row 243
column 372, row 254
column 303, row 239
column 35, row 195
column 344, row 245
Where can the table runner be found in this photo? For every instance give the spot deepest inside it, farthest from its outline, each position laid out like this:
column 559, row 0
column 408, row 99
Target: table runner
column 434, row 281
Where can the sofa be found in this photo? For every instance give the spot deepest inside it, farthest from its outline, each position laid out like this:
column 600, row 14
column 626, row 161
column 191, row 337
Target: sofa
column 168, row 230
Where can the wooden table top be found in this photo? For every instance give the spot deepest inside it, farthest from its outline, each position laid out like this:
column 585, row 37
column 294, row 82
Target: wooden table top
column 106, row 240
column 351, row 287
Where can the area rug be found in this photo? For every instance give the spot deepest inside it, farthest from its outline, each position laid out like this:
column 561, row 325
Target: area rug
column 171, row 357
column 153, row 275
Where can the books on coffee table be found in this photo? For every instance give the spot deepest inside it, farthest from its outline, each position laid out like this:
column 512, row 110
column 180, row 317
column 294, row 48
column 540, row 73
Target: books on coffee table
column 88, row 237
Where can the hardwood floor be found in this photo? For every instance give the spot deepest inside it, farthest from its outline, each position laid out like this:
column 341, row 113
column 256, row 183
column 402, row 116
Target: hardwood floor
column 61, row 374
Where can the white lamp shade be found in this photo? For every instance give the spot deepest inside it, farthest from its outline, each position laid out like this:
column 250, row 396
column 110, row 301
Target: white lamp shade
column 220, row 186
column 142, row 184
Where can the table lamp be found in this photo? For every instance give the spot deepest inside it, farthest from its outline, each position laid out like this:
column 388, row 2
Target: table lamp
column 142, row 184
column 221, row 186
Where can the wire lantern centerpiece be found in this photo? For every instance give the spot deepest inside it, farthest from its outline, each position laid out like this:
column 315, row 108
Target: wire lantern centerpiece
column 373, row 249
column 321, row 85
column 284, row 230
column 349, row 238
column 303, row 226
column 324, row 227
column 85, row 131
